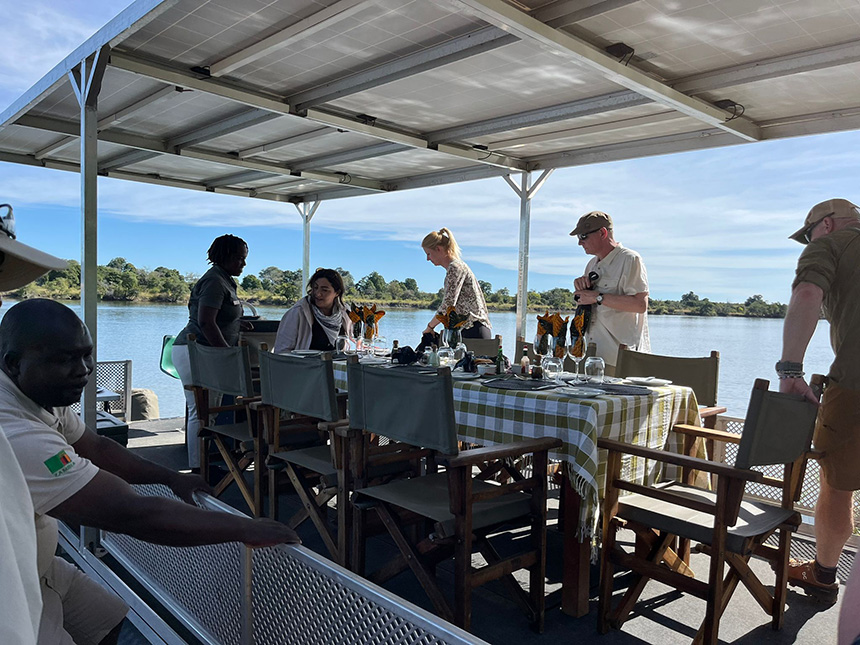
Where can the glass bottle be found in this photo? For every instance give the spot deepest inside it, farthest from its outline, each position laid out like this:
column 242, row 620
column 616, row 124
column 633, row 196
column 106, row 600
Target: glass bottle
column 433, row 358
column 500, row 359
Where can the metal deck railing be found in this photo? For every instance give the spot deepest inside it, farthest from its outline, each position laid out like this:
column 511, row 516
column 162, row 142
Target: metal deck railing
column 228, row 594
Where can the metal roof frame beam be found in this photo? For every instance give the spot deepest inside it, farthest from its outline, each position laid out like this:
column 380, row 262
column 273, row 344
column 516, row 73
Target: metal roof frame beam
column 148, row 148
column 222, row 127
column 347, row 156
column 507, row 17
column 195, row 81
column 807, row 61
column 540, row 116
column 288, row 34
column 567, row 12
column 285, row 142
column 113, row 119
column 477, row 42
column 236, row 178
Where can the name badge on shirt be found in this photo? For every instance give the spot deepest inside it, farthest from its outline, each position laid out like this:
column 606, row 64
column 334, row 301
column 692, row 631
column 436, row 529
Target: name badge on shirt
column 235, row 302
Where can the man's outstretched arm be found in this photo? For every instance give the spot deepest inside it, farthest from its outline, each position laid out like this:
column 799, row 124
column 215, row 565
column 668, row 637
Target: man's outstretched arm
column 108, row 455
column 109, row 503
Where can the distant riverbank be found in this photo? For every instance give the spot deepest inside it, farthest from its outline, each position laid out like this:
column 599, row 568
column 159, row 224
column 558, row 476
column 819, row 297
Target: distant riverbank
column 121, row 281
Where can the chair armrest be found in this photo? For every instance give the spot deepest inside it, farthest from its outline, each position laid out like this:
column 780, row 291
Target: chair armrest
column 707, row 433
column 513, row 449
column 711, row 412
column 680, row 460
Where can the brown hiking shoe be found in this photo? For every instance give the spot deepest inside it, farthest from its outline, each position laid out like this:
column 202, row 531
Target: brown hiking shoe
column 801, row 573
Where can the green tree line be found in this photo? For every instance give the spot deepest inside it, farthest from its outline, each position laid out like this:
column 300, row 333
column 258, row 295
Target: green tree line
column 120, row 280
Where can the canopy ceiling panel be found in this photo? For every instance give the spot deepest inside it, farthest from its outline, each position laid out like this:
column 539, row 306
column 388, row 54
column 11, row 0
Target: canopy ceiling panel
column 300, row 100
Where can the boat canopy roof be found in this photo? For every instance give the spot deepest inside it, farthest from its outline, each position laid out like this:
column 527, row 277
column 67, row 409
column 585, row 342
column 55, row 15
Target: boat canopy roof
column 305, row 100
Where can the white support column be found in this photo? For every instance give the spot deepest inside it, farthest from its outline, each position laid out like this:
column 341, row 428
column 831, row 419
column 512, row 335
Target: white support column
column 86, row 81
column 306, row 211
column 525, row 192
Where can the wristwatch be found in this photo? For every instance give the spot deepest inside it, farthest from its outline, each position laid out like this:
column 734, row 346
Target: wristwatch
column 599, row 299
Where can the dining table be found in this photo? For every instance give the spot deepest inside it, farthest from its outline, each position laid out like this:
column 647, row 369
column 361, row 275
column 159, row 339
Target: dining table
column 486, row 415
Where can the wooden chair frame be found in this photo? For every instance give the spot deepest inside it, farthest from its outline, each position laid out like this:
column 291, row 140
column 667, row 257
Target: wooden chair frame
column 655, row 556
column 422, row 551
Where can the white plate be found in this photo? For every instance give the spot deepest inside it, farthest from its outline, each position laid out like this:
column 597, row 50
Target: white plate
column 579, row 392
column 649, row 381
column 465, row 376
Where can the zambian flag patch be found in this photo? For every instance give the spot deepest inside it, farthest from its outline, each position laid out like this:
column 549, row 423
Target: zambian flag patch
column 59, row 463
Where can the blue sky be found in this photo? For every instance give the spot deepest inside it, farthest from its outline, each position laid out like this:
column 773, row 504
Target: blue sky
column 715, row 222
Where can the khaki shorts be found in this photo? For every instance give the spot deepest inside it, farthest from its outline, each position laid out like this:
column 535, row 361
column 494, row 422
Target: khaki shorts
column 837, row 435
column 76, row 610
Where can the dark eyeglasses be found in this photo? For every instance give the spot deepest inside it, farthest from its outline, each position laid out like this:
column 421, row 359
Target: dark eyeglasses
column 583, row 236
column 807, row 232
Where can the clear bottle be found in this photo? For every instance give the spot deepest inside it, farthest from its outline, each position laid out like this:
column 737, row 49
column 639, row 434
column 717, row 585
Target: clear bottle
column 433, row 358
column 500, row 359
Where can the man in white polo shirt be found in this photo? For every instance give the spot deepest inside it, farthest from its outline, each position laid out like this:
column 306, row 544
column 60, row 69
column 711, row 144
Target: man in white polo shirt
column 21, row 607
column 79, row 477
column 619, row 294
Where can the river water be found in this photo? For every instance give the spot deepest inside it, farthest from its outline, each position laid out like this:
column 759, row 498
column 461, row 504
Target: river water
column 748, row 347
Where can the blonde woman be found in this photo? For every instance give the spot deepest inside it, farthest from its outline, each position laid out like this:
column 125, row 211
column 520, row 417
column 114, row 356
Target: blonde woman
column 462, row 290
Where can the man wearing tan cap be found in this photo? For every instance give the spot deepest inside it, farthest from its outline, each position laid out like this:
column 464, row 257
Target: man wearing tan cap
column 828, row 276
column 619, row 293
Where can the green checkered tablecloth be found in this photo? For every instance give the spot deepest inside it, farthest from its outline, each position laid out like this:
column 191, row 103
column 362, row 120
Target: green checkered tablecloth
column 489, row 416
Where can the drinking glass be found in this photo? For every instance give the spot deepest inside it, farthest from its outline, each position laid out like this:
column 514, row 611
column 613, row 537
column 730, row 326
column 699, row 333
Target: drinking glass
column 594, row 369
column 446, row 357
column 344, row 345
column 552, row 368
column 381, row 347
column 576, row 354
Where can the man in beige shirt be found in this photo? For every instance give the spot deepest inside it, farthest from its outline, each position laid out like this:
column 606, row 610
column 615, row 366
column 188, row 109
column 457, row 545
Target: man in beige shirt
column 828, row 277
column 79, row 477
column 619, row 294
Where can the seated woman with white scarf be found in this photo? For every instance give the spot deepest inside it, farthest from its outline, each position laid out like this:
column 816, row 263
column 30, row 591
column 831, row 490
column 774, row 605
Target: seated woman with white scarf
column 316, row 320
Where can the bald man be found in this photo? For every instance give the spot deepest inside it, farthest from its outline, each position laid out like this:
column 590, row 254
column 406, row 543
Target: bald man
column 79, row 477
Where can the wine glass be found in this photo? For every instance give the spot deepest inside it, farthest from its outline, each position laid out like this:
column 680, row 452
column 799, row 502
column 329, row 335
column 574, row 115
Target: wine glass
column 453, row 338
column 576, row 351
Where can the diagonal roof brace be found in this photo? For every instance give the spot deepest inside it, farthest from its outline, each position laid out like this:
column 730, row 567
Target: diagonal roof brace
column 505, row 16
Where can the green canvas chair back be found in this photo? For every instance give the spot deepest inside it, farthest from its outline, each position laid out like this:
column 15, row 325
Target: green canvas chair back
column 255, row 340
column 403, row 404
column 483, row 346
column 221, row 369
column 778, row 428
column 166, row 362
column 301, row 384
column 699, row 374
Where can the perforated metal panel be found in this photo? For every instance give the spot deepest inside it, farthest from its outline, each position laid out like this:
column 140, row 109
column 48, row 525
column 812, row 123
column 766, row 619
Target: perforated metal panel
column 116, row 377
column 295, row 595
column 808, row 492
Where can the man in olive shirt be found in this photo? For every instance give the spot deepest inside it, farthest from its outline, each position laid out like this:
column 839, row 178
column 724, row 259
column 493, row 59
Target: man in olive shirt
column 828, row 276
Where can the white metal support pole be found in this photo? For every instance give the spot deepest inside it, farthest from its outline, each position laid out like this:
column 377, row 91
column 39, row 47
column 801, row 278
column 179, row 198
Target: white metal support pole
column 307, row 211
column 525, row 192
column 86, row 79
